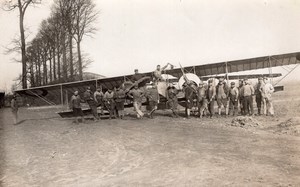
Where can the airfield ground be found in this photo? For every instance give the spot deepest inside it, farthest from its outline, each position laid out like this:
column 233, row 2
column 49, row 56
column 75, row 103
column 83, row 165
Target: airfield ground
column 46, row 150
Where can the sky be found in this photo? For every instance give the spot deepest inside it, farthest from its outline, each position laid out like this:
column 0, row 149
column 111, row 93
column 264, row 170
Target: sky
column 141, row 34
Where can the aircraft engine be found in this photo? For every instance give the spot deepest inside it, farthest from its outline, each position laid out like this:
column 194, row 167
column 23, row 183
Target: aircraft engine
column 191, row 77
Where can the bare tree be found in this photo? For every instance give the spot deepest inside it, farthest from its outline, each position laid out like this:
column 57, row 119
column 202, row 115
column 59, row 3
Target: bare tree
column 22, row 6
column 85, row 17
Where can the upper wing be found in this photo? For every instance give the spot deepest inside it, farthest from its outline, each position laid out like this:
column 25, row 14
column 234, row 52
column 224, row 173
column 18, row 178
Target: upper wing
column 240, row 65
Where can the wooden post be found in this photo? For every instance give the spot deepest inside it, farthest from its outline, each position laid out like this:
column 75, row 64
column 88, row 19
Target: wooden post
column 270, row 70
column 67, row 98
column 61, row 95
column 227, row 77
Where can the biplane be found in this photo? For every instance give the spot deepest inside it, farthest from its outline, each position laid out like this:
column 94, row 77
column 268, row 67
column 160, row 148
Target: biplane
column 59, row 94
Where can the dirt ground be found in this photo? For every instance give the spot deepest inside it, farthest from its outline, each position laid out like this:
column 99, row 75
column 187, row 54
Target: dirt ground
column 46, row 150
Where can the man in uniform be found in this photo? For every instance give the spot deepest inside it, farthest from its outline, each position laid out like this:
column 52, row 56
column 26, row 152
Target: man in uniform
column 136, row 94
column 109, row 99
column 241, row 96
column 267, row 91
column 157, row 73
column 137, row 76
column 172, row 100
column 153, row 98
column 98, row 97
column 248, row 93
column 233, row 99
column 202, row 100
column 76, row 107
column 89, row 98
column 258, row 94
column 14, row 108
column 222, row 94
column 120, row 100
column 211, row 94
column 190, row 92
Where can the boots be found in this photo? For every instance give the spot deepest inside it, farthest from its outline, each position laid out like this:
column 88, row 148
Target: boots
column 188, row 113
column 226, row 111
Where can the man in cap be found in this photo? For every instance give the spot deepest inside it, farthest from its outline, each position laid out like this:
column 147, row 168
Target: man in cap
column 109, row 100
column 201, row 99
column 248, row 93
column 120, row 96
column 190, row 92
column 14, row 108
column 89, row 98
column 137, row 95
column 98, row 97
column 241, row 95
column 172, row 100
column 153, row 98
column 137, row 76
column 76, row 106
column 258, row 94
column 233, row 98
column 211, row 94
column 267, row 91
column 222, row 94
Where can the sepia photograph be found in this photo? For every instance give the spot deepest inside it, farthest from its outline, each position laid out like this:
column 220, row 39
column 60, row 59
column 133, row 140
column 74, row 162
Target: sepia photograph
column 149, row 93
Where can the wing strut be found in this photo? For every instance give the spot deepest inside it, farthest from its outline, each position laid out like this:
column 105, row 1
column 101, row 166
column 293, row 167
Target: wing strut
column 270, row 70
column 287, row 74
column 49, row 102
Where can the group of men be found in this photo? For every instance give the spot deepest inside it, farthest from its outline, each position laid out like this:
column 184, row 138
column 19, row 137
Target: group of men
column 235, row 99
column 114, row 100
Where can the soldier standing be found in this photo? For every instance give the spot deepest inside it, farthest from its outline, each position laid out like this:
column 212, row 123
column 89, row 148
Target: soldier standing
column 202, row 100
column 153, row 98
column 136, row 94
column 211, row 94
column 241, row 96
column 120, row 100
column 88, row 97
column 98, row 97
column 190, row 92
column 109, row 99
column 222, row 94
column 14, row 108
column 248, row 93
column 258, row 94
column 76, row 106
column 172, row 100
column 267, row 91
column 233, row 99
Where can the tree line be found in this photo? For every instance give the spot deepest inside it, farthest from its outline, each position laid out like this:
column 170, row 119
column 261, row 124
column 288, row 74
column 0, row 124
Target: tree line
column 54, row 55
